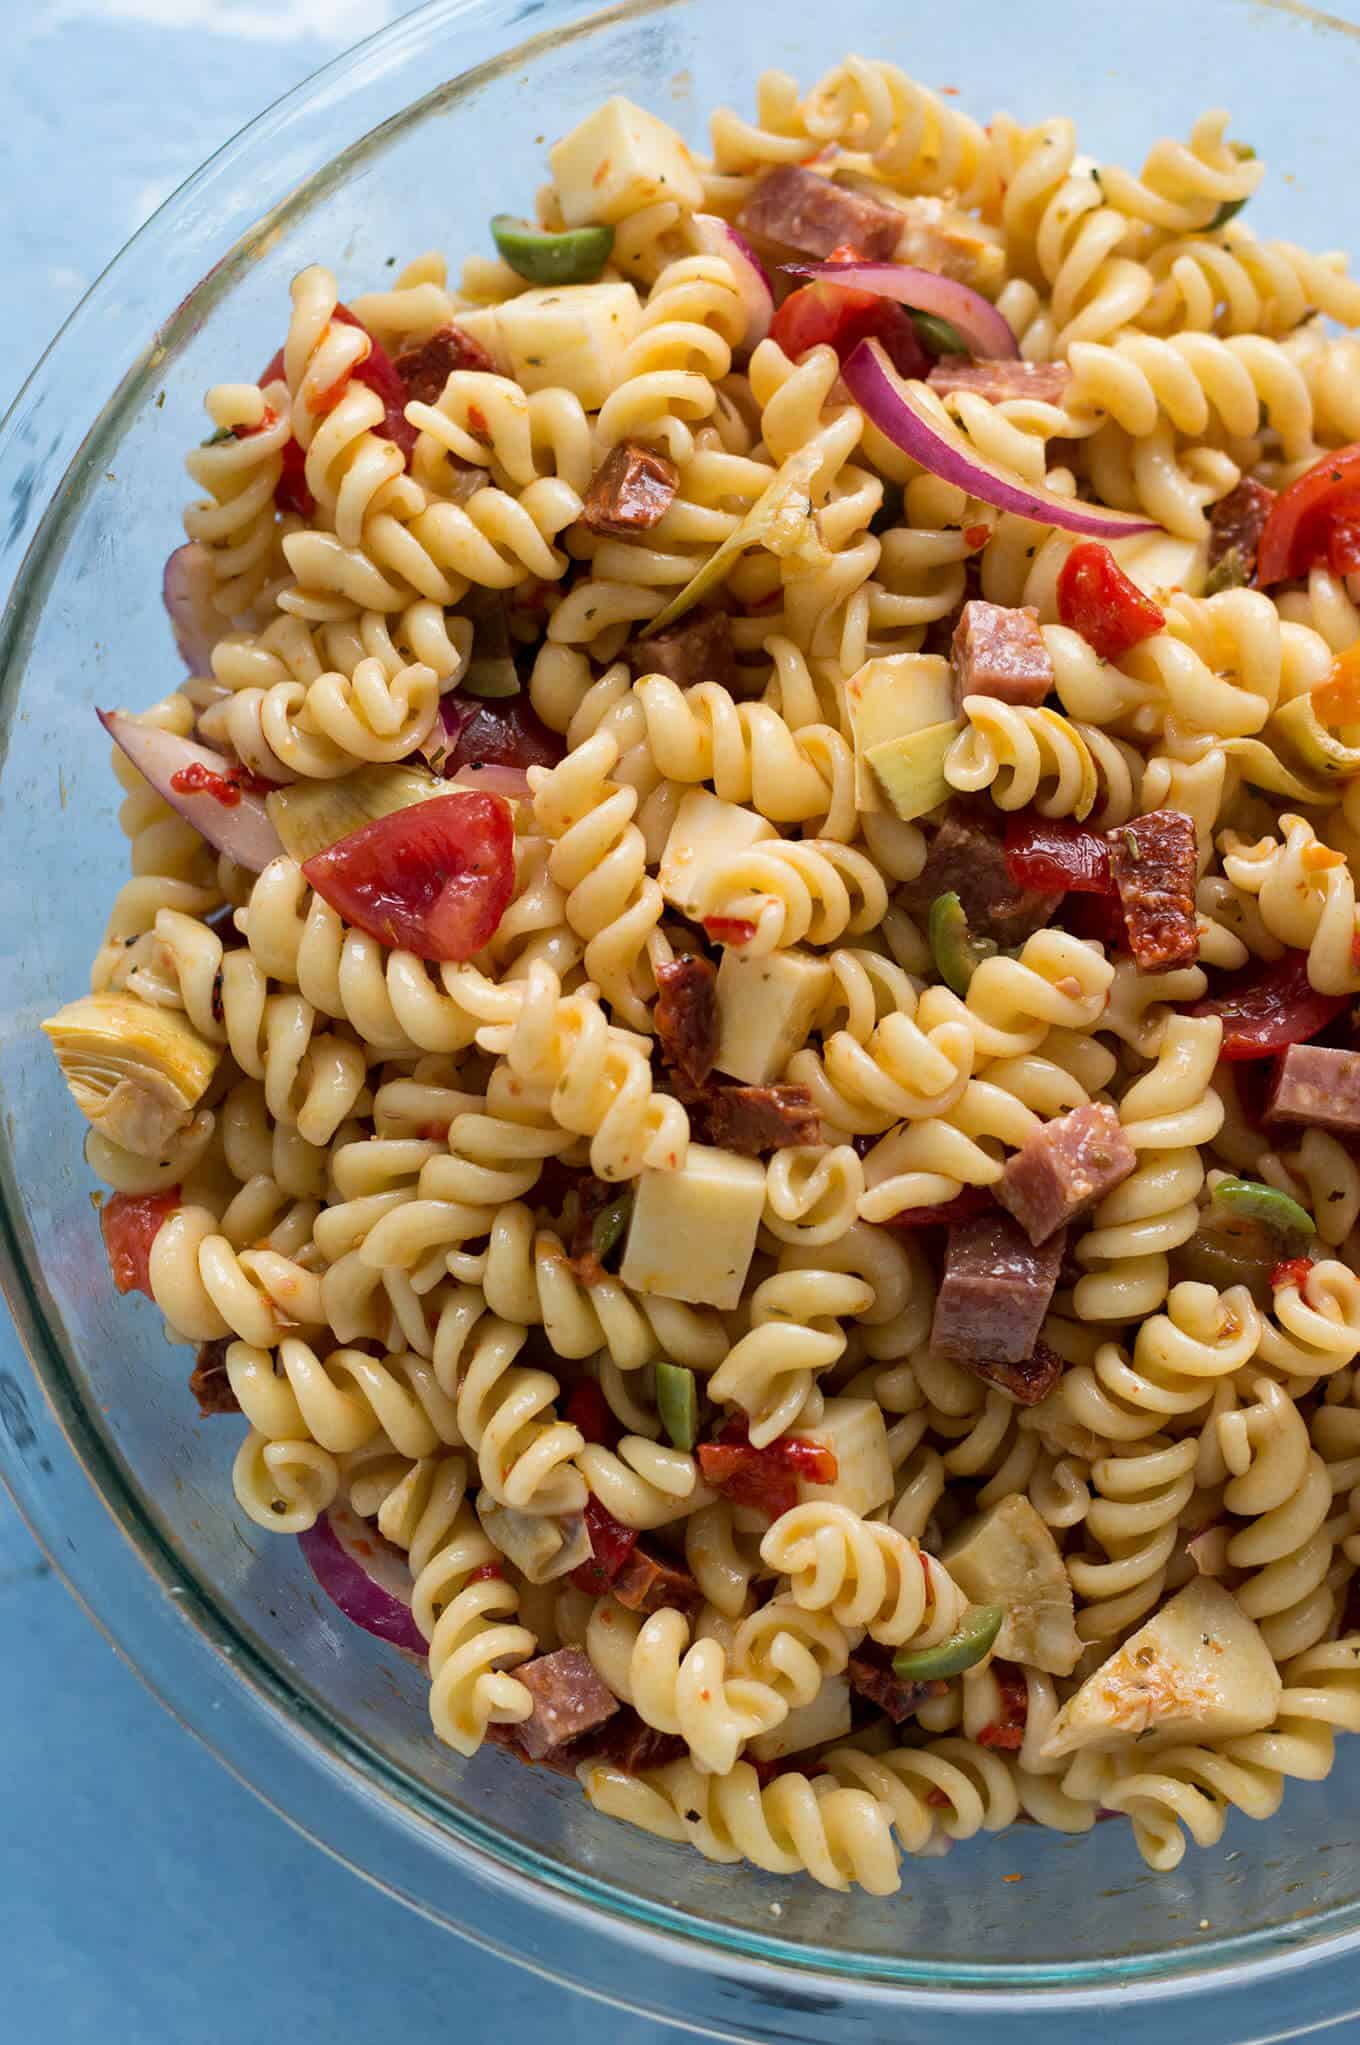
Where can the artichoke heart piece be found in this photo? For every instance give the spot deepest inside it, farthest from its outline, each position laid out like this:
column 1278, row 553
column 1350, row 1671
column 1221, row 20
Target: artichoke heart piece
column 310, row 816
column 136, row 1072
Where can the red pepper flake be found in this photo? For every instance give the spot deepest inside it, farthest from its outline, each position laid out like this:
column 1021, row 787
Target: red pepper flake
column 937, row 1800
column 484, row 1572
column 735, row 930
column 196, row 779
column 476, row 419
column 977, row 535
column 1009, row 1738
column 1293, row 1271
column 434, row 1132
column 269, row 417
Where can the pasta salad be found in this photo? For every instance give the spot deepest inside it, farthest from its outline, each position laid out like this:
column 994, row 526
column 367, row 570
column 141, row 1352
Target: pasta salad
column 733, row 1034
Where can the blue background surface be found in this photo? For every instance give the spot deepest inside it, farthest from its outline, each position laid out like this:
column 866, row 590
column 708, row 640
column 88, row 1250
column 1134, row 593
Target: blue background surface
column 146, row 1898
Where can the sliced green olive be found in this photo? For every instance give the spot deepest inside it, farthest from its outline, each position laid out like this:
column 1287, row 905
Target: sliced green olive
column 1267, row 1204
column 1228, row 572
column 574, row 256
column 1230, row 208
column 1228, row 1249
column 677, row 1403
column 937, row 337
column 959, row 1652
column 958, row 954
column 606, row 1231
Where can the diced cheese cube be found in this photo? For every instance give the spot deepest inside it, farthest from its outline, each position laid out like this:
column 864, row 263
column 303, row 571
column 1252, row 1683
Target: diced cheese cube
column 693, row 1231
column 1008, row 1557
column 766, row 1008
column 854, row 1431
column 706, row 832
column 827, row 1717
column 569, row 335
column 1198, row 1670
column 618, row 160
column 889, row 697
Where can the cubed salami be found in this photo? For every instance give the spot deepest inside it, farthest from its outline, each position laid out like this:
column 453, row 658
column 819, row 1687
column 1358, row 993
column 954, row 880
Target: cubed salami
column 999, row 381
column 995, row 1291
column 1153, row 862
column 969, row 860
column 699, row 650
column 686, row 1016
column 1028, row 1380
column 630, row 492
column 425, row 370
column 1236, row 524
column 650, row 1581
column 1000, row 652
column 755, row 1119
column 1318, row 1087
column 800, row 210
column 569, row 1699
column 1066, row 1166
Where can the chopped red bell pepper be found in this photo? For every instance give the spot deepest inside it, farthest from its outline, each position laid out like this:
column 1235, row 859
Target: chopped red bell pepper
column 765, row 1478
column 1055, row 856
column 434, row 879
column 1097, row 599
column 588, row 1409
column 962, row 1207
column 1293, row 1271
column 1267, row 1008
column 611, row 1543
column 130, row 1223
column 1316, row 519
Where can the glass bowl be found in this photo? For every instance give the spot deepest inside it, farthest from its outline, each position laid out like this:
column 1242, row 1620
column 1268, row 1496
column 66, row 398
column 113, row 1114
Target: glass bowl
column 369, row 162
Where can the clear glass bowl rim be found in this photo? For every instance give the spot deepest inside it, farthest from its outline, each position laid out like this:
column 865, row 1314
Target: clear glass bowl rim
column 59, row 1472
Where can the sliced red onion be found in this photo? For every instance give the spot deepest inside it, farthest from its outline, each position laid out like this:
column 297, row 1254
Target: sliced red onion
column 186, row 591
column 972, row 316
column 242, row 830
column 511, row 782
column 718, row 238
column 361, row 1573
column 906, row 420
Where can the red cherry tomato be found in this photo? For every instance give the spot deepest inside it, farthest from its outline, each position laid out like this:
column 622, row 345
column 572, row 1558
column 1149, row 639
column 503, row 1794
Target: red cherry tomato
column 130, row 1223
column 1315, row 519
column 840, row 316
column 434, row 879
column 1268, row 1008
column 1097, row 599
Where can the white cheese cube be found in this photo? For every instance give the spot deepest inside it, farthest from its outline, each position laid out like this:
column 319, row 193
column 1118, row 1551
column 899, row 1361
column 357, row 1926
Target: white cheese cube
column 693, row 1232
column 572, row 336
column 706, row 832
column 889, row 697
column 854, row 1431
column 766, row 1007
column 618, row 160
column 827, row 1717
column 1198, row 1670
